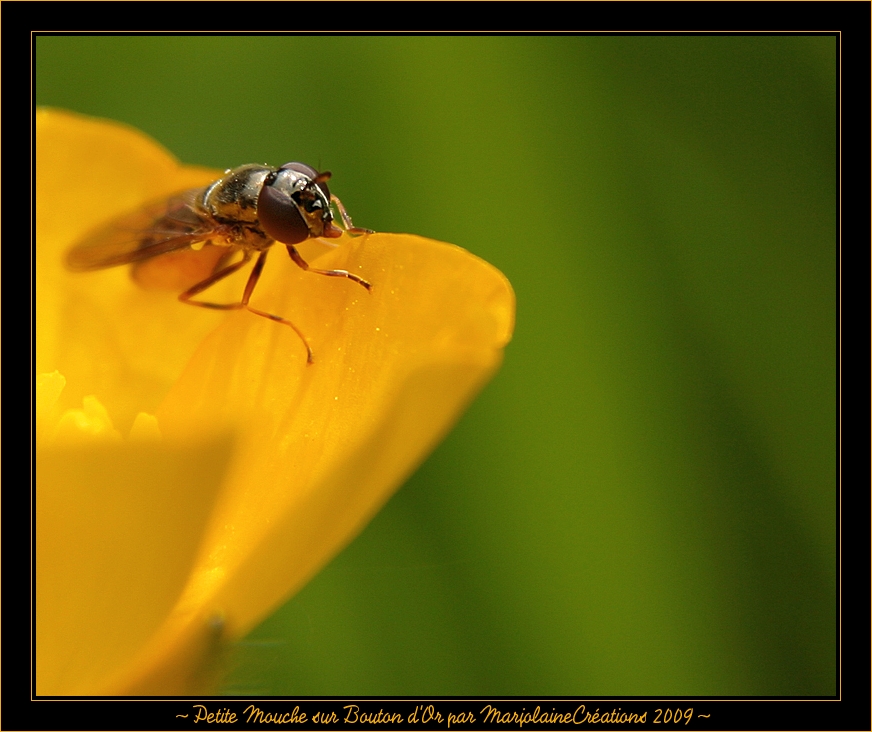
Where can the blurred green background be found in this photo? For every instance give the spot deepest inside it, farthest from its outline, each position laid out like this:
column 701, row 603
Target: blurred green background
column 643, row 502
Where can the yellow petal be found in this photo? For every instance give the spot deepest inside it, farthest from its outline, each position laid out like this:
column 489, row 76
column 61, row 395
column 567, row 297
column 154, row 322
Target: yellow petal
column 326, row 445
column 317, row 449
column 117, row 529
column 104, row 335
column 48, row 391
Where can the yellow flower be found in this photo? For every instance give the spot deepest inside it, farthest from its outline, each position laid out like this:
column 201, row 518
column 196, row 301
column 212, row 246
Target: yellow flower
column 192, row 471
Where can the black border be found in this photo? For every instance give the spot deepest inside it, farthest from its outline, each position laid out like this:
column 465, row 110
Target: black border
column 851, row 710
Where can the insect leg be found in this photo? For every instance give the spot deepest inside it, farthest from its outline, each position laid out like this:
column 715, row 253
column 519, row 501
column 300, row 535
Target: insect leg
column 211, row 280
column 346, row 219
column 249, row 288
column 246, row 295
column 303, row 264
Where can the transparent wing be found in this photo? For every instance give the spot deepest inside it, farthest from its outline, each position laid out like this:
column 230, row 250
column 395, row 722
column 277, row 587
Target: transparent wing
column 157, row 228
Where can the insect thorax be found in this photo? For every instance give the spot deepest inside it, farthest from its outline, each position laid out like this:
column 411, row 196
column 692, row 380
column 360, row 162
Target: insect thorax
column 232, row 202
column 233, row 198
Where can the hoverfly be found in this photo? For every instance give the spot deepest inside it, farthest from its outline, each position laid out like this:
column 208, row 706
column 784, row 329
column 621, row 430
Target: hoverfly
column 247, row 210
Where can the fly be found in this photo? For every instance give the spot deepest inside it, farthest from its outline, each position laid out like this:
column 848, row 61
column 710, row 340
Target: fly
column 247, row 210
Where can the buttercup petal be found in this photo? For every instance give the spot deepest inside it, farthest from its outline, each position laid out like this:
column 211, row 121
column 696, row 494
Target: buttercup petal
column 256, row 468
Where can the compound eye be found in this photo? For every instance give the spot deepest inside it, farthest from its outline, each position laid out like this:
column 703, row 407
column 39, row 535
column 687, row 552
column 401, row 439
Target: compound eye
column 279, row 217
column 306, row 170
column 310, row 173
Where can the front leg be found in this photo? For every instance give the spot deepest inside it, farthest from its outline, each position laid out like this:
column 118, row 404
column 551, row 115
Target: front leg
column 346, row 219
column 303, row 264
